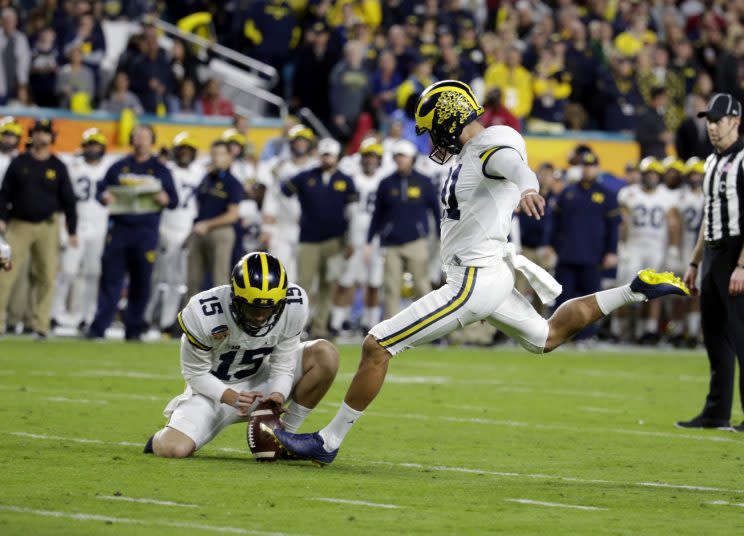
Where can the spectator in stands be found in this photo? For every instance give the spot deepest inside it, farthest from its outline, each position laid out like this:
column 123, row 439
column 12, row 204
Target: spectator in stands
column 43, row 77
column 651, row 132
column 551, row 85
column 132, row 240
column 311, row 82
column 631, row 42
column 692, row 135
column 187, row 102
column 385, row 82
column 590, row 210
column 684, row 63
column 212, row 102
column 404, row 205
column 658, row 74
column 453, row 66
column 88, row 38
column 182, row 63
column 279, row 146
column 76, row 84
column 119, row 97
column 495, row 113
column 15, row 59
column 35, row 188
column 730, row 70
column 398, row 44
column 213, row 235
column 514, row 81
column 326, row 198
column 349, row 90
column 149, row 72
column 271, row 34
column 420, row 78
column 620, row 98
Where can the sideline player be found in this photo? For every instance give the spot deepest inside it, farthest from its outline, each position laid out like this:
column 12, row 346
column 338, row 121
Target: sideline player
column 241, row 345
column 490, row 180
column 365, row 266
column 80, row 267
column 281, row 214
column 169, row 271
column 650, row 224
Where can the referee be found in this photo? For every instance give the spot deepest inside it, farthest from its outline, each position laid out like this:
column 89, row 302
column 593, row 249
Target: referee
column 719, row 246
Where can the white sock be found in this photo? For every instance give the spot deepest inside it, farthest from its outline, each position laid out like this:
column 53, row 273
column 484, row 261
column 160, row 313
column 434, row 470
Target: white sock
column 651, row 325
column 614, row 298
column 693, row 324
column 334, row 433
column 294, row 416
column 338, row 316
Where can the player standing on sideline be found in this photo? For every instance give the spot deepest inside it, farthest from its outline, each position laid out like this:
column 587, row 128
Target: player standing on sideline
column 169, row 272
column 80, row 267
column 364, row 267
column 10, row 137
column 649, row 226
column 281, row 225
column 490, row 180
column 241, row 345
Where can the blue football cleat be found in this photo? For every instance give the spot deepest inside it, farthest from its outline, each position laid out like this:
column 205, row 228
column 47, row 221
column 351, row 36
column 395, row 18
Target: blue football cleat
column 303, row 446
column 654, row 285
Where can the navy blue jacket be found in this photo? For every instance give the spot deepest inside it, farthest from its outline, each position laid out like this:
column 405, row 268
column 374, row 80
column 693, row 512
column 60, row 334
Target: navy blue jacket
column 586, row 218
column 402, row 209
column 323, row 205
column 536, row 233
column 217, row 190
column 128, row 171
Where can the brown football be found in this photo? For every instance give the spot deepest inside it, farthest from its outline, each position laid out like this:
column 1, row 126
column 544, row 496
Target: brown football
column 262, row 445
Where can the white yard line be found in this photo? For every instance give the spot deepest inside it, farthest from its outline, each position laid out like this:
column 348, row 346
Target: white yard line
column 356, row 503
column 134, row 521
column 593, row 409
column 726, row 503
column 92, row 394
column 418, row 466
column 555, row 505
column 138, row 374
column 144, row 501
column 73, row 400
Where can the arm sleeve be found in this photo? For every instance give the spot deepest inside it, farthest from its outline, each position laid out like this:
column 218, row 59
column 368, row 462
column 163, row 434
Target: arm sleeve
column 67, row 200
column 376, row 223
column 169, row 187
column 282, row 364
column 196, row 359
column 613, row 225
column 5, row 191
column 505, row 162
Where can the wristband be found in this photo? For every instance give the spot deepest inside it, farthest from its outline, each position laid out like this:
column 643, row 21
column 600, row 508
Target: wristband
column 694, row 264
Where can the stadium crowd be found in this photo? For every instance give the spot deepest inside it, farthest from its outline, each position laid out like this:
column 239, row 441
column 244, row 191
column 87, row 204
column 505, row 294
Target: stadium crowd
column 614, row 65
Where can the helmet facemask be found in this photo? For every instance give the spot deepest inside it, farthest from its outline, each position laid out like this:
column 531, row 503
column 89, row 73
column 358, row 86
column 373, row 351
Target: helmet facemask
column 245, row 315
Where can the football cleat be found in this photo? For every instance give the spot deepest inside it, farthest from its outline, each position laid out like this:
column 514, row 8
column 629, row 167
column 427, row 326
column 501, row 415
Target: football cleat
column 303, row 446
column 148, row 446
column 655, row 285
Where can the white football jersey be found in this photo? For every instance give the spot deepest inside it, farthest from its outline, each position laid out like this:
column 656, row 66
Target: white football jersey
column 285, row 209
column 691, row 211
column 477, row 214
column 361, row 218
column 647, row 224
column 4, row 163
column 180, row 220
column 84, row 176
column 213, row 343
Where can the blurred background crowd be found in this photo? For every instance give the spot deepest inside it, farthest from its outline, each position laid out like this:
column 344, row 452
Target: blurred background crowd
column 541, row 67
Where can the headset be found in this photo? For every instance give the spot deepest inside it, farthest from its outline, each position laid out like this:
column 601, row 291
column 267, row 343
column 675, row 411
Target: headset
column 146, row 126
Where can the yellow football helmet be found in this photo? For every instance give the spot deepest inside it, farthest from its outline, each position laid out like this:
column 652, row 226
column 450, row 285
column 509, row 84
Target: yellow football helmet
column 232, row 135
column 651, row 164
column 8, row 125
column 672, row 163
column 371, row 146
column 93, row 135
column 184, row 139
column 694, row 165
column 259, row 292
column 443, row 110
column 301, row 131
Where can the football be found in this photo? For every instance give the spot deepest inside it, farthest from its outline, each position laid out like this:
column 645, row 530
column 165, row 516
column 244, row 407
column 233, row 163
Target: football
column 262, row 445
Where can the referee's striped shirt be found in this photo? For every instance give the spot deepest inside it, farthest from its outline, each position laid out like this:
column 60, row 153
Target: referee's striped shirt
column 723, row 186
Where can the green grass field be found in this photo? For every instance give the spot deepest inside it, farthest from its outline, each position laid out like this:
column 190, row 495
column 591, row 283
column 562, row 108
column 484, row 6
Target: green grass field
column 460, row 441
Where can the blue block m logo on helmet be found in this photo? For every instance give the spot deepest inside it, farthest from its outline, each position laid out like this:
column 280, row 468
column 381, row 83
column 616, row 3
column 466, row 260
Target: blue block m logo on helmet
column 443, row 110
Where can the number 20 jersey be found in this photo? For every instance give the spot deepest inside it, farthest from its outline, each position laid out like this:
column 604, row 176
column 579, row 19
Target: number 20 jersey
column 478, row 208
column 215, row 344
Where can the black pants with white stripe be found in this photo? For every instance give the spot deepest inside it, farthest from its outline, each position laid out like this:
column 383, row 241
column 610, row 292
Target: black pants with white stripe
column 723, row 326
